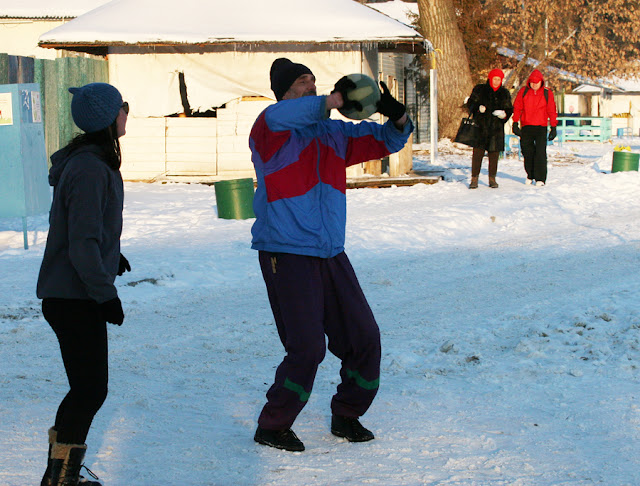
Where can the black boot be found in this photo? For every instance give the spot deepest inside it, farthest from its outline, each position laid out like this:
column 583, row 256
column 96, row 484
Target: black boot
column 280, row 439
column 493, row 169
column 46, row 479
column 350, row 428
column 66, row 461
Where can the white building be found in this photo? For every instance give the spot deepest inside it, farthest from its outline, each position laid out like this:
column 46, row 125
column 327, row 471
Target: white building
column 23, row 22
column 220, row 54
column 621, row 103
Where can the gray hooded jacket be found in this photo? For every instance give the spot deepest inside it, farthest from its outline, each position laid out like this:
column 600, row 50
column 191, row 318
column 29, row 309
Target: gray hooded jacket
column 85, row 223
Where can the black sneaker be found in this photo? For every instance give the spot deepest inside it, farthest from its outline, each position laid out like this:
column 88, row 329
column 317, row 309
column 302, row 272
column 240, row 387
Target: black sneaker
column 350, row 428
column 280, row 439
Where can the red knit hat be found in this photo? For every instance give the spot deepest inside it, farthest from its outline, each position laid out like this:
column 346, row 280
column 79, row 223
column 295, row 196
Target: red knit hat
column 492, row 74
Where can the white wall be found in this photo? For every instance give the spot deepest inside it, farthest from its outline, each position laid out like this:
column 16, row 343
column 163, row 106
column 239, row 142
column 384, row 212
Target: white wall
column 144, row 149
column 623, row 109
column 148, row 78
column 200, row 148
column 206, row 148
column 574, row 104
column 19, row 37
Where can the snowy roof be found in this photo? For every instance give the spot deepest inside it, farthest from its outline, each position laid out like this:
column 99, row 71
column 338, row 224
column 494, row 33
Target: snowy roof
column 397, row 9
column 630, row 85
column 162, row 22
column 627, row 84
column 562, row 73
column 47, row 9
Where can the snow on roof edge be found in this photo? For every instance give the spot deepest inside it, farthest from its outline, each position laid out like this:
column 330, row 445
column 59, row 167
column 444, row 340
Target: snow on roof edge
column 38, row 17
column 416, row 41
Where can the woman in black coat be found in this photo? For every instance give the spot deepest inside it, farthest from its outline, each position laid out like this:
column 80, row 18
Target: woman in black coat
column 490, row 105
column 80, row 263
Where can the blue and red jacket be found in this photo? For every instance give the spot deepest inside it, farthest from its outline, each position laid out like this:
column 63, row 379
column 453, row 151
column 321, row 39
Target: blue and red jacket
column 300, row 157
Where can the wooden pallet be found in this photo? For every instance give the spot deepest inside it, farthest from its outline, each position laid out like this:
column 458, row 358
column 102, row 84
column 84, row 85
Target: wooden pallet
column 378, row 182
column 427, row 177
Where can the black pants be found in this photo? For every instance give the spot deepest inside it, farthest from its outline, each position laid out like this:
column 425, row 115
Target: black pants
column 82, row 334
column 533, row 143
column 312, row 297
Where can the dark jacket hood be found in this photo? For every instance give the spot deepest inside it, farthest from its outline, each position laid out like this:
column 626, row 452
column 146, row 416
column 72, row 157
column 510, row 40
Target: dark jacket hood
column 60, row 159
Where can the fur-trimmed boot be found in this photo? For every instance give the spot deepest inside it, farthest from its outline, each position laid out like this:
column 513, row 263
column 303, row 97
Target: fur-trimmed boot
column 46, row 479
column 66, row 461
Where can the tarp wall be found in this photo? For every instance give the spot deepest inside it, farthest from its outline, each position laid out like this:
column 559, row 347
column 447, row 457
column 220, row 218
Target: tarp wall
column 148, row 77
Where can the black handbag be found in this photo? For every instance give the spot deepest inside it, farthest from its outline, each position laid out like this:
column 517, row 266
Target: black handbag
column 469, row 132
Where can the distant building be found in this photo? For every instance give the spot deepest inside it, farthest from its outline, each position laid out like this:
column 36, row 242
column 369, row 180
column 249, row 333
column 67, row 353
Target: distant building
column 619, row 100
column 23, row 22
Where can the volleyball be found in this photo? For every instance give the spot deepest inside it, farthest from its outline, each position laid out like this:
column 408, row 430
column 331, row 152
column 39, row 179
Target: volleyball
column 366, row 92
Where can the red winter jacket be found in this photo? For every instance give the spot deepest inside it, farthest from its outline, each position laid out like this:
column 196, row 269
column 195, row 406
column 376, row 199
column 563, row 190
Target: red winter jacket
column 533, row 108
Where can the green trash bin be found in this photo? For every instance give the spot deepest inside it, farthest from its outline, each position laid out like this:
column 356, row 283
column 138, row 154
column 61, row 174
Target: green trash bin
column 234, row 199
column 624, row 161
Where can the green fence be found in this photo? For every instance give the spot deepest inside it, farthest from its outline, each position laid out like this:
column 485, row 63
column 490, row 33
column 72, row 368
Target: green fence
column 55, row 77
column 584, row 128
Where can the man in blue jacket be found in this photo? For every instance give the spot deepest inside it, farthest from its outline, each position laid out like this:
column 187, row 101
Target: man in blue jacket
column 300, row 157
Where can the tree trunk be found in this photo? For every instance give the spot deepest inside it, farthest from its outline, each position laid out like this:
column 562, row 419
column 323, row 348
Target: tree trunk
column 514, row 81
column 439, row 25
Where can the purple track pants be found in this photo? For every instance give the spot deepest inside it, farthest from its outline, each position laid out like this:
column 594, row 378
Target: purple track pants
column 312, row 297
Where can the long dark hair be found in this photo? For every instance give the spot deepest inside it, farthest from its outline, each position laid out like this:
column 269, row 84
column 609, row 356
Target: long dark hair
column 106, row 139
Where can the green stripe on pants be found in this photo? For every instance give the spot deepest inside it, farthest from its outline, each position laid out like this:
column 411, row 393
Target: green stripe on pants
column 294, row 387
column 362, row 383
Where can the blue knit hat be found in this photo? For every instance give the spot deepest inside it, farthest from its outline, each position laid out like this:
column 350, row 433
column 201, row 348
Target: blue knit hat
column 95, row 106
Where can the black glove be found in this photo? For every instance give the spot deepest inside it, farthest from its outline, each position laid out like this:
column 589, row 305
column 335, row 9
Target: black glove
column 553, row 133
column 123, row 266
column 389, row 106
column 112, row 311
column 515, row 128
column 343, row 86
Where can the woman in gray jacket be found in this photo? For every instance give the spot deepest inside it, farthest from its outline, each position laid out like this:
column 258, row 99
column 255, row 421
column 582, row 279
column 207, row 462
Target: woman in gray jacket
column 81, row 260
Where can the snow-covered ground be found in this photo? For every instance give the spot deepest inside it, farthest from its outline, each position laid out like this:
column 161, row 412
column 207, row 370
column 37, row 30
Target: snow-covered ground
column 510, row 324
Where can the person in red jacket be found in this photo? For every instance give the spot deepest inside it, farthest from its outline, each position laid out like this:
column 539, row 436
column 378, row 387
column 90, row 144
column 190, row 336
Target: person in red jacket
column 535, row 108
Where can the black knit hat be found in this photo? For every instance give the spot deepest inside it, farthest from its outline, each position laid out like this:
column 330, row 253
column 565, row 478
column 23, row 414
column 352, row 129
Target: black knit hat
column 284, row 73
